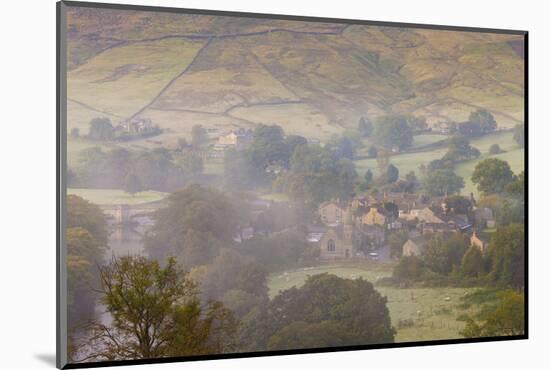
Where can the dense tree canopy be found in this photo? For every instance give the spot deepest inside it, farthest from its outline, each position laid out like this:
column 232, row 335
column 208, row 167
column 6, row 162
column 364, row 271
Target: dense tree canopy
column 393, row 131
column 155, row 169
column 317, row 174
column 460, row 149
column 197, row 222
column 101, row 129
column 506, row 317
column 339, row 311
column 86, row 239
column 484, row 119
column 156, row 313
column 409, row 268
column 443, row 182
column 441, row 255
column 459, row 204
column 232, row 270
column 507, row 253
column 480, row 122
column 492, row 175
column 83, row 214
column 268, row 146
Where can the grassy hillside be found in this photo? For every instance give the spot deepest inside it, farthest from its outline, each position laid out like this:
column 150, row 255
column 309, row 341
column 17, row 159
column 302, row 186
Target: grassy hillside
column 314, row 79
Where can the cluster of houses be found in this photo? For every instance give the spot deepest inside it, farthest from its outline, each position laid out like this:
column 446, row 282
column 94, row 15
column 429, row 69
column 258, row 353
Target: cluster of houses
column 350, row 228
column 135, row 126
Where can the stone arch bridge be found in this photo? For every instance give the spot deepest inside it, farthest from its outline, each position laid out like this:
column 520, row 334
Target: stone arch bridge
column 126, row 214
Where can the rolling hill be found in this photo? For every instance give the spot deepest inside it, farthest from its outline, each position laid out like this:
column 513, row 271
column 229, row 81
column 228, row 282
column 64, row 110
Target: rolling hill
column 313, row 79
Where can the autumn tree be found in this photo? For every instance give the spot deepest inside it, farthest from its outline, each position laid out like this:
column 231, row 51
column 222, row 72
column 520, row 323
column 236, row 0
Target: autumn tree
column 86, row 240
column 507, row 254
column 505, row 317
column 81, row 213
column 155, row 313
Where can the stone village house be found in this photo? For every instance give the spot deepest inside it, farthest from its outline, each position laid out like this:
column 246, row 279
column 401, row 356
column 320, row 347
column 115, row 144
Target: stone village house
column 333, row 212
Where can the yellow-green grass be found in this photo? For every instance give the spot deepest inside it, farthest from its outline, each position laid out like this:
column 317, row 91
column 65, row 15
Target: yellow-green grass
column 513, row 154
column 124, row 79
column 79, row 116
column 297, row 119
column 225, row 75
column 514, row 158
column 423, row 140
column 179, row 122
column 433, row 311
column 117, row 196
column 406, row 162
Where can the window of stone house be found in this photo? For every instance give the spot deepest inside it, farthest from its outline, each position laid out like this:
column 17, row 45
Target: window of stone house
column 331, row 246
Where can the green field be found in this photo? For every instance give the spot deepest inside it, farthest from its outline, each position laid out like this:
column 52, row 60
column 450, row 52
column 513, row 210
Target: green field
column 117, row 196
column 513, row 154
column 433, row 310
column 427, row 139
column 406, row 162
column 124, row 79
